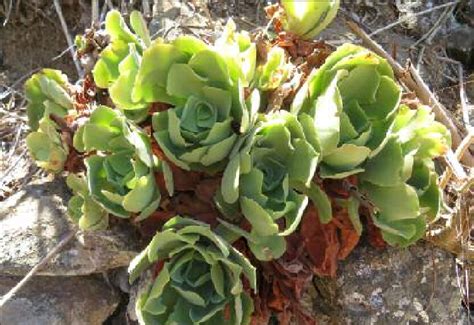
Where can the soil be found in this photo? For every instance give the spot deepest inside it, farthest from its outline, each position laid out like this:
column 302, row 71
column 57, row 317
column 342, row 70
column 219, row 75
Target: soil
column 32, row 39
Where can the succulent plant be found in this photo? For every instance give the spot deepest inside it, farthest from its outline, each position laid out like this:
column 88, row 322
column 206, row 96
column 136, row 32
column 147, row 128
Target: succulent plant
column 120, row 176
column 82, row 208
column 308, row 18
column 201, row 280
column 345, row 143
column 274, row 71
column 210, row 110
column 401, row 181
column 106, row 70
column 239, row 52
column 353, row 99
column 47, row 93
column 47, row 147
column 118, row 64
column 260, row 179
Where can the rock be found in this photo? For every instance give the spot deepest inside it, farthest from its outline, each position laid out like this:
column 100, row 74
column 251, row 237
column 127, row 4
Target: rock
column 136, row 289
column 33, row 221
column 392, row 286
column 460, row 45
column 417, row 285
column 59, row 301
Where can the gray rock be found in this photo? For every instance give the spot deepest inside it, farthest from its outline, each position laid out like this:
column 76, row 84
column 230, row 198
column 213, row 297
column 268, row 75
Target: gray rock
column 33, row 221
column 59, row 301
column 460, row 45
column 417, row 285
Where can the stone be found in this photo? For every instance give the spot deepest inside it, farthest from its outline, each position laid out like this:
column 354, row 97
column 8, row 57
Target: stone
column 417, row 285
column 460, row 45
column 34, row 220
column 86, row 300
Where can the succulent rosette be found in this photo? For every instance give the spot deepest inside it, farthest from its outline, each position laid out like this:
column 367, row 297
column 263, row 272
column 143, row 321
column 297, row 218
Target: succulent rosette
column 118, row 63
column 47, row 93
column 274, row 71
column 353, row 99
column 260, row 179
column 308, row 18
column 401, row 181
column 201, row 280
column 106, row 70
column 120, row 175
column 206, row 89
column 239, row 52
column 82, row 208
column 47, row 147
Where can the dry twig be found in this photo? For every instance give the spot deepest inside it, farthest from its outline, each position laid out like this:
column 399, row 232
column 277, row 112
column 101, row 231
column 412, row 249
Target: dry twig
column 95, row 13
column 70, row 43
column 146, row 8
column 9, row 11
column 460, row 151
column 424, row 12
column 37, row 267
column 437, row 25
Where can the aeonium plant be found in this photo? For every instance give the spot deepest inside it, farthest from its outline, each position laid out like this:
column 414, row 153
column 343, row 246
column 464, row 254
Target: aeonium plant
column 210, row 109
column 260, row 178
column 353, row 99
column 47, row 147
column 401, row 181
column 48, row 94
column 203, row 83
column 273, row 72
column 119, row 62
column 106, row 70
column 239, row 52
column 345, row 143
column 201, row 279
column 120, row 165
column 308, row 18
column 82, row 208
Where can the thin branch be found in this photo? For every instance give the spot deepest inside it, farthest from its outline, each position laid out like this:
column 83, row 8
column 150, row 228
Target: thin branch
column 15, row 144
column 9, row 11
column 401, row 21
column 70, row 43
column 146, row 8
column 455, row 166
column 466, row 186
column 60, row 55
column 437, row 25
column 12, row 166
column 9, row 295
column 465, row 144
column 415, row 83
column 103, row 11
column 95, row 13
column 420, row 58
column 460, row 151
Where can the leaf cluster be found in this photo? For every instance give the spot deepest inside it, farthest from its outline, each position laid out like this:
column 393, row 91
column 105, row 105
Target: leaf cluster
column 187, row 131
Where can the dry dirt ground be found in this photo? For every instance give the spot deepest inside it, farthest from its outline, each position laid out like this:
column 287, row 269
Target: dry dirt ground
column 31, row 37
